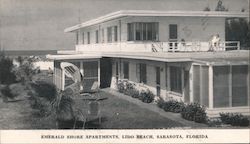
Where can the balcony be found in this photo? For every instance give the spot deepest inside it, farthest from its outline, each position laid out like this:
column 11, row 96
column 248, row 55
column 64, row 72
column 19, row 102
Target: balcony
column 194, row 46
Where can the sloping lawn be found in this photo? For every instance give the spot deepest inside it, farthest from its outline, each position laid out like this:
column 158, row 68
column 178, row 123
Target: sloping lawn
column 116, row 114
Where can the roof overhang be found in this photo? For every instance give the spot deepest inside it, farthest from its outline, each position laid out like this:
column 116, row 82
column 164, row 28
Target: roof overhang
column 206, row 58
column 73, row 56
column 125, row 13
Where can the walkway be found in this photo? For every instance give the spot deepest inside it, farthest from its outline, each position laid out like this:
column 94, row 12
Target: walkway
column 154, row 108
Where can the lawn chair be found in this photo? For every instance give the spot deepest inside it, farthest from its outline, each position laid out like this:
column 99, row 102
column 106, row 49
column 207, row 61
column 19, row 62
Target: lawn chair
column 94, row 111
column 79, row 117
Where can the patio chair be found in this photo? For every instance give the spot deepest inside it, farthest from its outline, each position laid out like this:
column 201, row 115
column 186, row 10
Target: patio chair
column 94, row 111
column 79, row 117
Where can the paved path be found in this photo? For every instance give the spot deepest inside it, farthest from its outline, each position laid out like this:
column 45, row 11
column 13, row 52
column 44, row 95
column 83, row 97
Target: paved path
column 154, row 108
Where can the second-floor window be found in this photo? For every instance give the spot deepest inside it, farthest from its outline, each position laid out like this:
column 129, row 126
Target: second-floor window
column 83, row 38
column 140, row 31
column 115, row 34
column 102, row 35
column 96, row 36
column 77, row 37
column 109, row 34
column 88, row 37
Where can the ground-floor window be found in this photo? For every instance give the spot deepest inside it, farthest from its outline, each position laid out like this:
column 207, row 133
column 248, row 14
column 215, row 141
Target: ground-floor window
column 142, row 73
column 126, row 70
column 175, row 79
column 230, row 86
column 200, row 84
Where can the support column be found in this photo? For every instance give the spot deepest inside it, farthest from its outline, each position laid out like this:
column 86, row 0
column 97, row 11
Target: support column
column 63, row 80
column 210, row 87
column 191, row 96
column 168, row 78
column 182, row 83
column 99, row 73
column 82, row 72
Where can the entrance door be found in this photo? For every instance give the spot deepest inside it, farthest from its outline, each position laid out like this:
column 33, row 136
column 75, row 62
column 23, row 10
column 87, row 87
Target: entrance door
column 173, row 37
column 106, row 72
column 158, row 81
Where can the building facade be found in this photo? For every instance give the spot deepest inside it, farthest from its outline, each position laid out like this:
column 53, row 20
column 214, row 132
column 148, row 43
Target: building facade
column 168, row 52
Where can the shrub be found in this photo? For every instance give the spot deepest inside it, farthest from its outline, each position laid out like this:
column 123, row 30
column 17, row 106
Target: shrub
column 25, row 70
column 173, row 106
column 6, row 92
column 194, row 112
column 121, row 86
column 6, row 74
column 160, row 103
column 130, row 89
column 234, row 119
column 42, row 96
column 45, row 90
column 146, row 96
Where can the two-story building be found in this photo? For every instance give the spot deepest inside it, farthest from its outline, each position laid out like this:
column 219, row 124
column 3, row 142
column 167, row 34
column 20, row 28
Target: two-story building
column 169, row 52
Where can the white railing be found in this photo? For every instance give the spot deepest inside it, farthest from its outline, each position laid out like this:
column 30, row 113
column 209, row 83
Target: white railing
column 194, row 46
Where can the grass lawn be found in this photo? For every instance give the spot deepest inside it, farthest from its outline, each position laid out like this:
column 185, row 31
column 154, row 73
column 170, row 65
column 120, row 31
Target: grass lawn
column 116, row 114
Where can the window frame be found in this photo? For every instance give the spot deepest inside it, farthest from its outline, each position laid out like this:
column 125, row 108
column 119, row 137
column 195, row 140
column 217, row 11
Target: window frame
column 126, row 70
column 143, row 31
column 176, row 79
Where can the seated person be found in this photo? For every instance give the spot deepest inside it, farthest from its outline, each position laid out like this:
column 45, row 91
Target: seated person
column 215, row 42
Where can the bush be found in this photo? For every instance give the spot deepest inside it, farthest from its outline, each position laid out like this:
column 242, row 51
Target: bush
column 173, row 106
column 160, row 103
column 6, row 74
column 45, row 90
column 194, row 112
column 130, row 89
column 146, row 96
column 24, row 70
column 121, row 86
column 234, row 119
column 42, row 96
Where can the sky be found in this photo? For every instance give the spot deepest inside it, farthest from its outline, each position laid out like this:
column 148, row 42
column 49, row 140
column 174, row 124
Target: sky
column 39, row 24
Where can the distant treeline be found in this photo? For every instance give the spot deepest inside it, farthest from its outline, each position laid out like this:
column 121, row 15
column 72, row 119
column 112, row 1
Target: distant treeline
column 29, row 52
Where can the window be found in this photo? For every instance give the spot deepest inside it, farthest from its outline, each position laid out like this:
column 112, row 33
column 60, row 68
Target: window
column 126, row 70
column 88, row 37
column 83, row 38
column 77, row 37
column 115, row 34
column 172, row 31
column 96, row 36
column 143, row 31
column 175, row 79
column 230, row 86
column 142, row 73
column 200, row 84
column 109, row 34
column 130, row 32
column 103, row 35
column 239, row 85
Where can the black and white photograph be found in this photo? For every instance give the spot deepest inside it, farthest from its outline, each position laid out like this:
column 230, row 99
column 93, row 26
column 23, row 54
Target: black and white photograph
column 93, row 65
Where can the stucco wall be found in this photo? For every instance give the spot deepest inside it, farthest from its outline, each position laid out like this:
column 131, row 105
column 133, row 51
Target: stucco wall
column 151, row 76
column 189, row 28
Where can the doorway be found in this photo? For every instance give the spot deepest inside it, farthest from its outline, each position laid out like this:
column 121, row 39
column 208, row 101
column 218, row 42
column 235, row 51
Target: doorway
column 158, row 81
column 173, row 36
column 106, row 72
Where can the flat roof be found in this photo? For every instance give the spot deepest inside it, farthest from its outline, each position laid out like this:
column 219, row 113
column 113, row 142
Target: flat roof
column 224, row 57
column 125, row 13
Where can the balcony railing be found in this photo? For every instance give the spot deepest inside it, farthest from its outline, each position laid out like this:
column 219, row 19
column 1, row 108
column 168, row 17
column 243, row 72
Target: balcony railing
column 194, row 46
